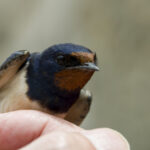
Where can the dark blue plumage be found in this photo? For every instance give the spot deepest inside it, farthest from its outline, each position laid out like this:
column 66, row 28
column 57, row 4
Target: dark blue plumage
column 68, row 48
column 43, row 68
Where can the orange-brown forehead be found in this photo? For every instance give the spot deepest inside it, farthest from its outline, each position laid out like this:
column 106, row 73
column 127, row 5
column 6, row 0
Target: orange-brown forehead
column 84, row 56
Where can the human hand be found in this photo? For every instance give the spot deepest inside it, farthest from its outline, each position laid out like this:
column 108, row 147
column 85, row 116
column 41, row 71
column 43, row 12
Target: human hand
column 33, row 130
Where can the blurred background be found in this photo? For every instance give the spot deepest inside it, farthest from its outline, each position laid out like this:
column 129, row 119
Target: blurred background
column 119, row 32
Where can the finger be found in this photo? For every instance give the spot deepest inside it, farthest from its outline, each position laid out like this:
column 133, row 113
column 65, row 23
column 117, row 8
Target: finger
column 19, row 128
column 60, row 141
column 107, row 139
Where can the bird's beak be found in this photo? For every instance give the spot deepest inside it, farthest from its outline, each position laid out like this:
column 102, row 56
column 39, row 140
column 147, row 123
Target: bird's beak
column 87, row 66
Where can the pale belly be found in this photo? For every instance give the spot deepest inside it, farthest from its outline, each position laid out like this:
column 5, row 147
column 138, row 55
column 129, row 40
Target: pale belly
column 13, row 97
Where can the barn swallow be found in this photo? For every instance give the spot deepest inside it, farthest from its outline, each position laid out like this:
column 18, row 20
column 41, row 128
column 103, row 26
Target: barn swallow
column 50, row 81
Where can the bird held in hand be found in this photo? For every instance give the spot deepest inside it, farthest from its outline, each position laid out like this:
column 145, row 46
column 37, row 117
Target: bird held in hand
column 50, row 81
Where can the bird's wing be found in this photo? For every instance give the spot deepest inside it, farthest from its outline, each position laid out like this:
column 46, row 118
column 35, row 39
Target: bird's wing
column 12, row 65
column 80, row 108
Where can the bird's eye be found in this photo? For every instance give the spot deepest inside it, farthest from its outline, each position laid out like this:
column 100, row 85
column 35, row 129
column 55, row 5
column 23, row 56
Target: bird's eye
column 60, row 59
column 67, row 60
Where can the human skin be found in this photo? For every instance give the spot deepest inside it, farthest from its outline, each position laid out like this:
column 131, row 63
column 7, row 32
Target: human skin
column 30, row 130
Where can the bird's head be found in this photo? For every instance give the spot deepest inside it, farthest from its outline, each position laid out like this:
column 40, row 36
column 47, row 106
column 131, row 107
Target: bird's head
column 71, row 65
column 56, row 76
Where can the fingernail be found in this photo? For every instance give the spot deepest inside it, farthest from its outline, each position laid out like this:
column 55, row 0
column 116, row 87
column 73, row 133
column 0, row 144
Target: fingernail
column 123, row 139
column 107, row 139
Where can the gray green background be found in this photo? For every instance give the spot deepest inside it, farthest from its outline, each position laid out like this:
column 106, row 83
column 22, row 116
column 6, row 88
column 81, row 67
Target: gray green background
column 119, row 31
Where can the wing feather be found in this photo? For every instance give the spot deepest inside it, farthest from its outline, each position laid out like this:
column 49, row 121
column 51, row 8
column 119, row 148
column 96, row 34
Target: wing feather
column 12, row 65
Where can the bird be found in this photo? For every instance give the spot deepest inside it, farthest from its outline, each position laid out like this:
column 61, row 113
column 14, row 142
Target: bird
column 51, row 81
